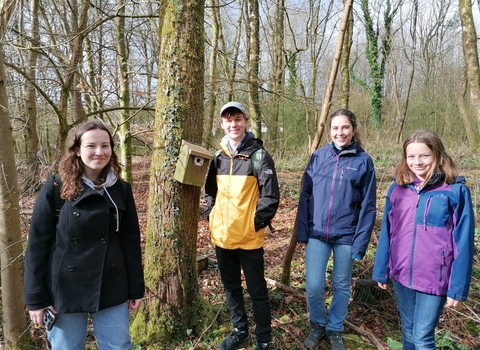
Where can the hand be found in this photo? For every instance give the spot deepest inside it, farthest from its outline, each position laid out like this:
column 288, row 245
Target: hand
column 134, row 304
column 452, row 302
column 382, row 285
column 37, row 315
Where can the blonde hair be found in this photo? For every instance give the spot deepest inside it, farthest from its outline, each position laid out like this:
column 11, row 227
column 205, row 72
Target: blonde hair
column 442, row 161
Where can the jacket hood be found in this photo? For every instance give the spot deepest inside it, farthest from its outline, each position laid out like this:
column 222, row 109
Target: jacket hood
column 109, row 182
column 246, row 141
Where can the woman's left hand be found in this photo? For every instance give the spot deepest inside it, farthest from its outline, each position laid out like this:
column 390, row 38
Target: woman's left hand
column 452, row 302
column 134, row 304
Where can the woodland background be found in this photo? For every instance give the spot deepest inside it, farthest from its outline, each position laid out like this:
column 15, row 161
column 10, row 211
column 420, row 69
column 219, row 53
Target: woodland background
column 157, row 72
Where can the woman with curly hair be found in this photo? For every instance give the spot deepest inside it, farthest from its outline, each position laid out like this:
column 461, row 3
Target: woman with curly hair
column 83, row 255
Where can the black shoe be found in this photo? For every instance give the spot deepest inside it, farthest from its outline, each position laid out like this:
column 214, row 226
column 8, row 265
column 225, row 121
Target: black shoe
column 262, row 346
column 233, row 339
column 317, row 332
column 336, row 341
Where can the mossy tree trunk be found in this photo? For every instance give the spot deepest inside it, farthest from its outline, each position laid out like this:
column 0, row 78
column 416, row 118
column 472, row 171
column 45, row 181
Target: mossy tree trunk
column 173, row 306
column 124, row 94
column 377, row 51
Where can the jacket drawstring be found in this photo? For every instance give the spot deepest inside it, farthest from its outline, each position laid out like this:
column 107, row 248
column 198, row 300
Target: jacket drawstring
column 116, row 208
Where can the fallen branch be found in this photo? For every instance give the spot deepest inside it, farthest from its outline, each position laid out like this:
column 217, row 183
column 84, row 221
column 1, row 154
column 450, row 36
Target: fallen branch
column 377, row 342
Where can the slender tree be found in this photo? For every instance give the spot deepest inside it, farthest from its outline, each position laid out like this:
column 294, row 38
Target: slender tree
column 470, row 52
column 13, row 309
column 345, row 61
column 173, row 302
column 254, row 66
column 212, row 73
column 410, row 56
column 278, row 68
column 124, row 94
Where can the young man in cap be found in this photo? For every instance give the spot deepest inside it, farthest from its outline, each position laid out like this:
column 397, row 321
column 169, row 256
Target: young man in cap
column 242, row 198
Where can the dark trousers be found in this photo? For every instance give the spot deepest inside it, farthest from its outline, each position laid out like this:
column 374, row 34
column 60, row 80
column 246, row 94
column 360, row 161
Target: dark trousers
column 251, row 261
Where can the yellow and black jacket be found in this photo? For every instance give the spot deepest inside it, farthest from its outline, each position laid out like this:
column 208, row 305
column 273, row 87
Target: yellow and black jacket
column 241, row 203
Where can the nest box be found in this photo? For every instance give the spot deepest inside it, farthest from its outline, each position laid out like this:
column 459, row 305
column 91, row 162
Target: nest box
column 192, row 164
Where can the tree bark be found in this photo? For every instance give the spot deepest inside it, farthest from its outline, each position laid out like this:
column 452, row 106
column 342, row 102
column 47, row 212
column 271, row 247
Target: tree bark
column 173, row 302
column 210, row 113
column 253, row 67
column 345, row 62
column 470, row 53
column 124, row 95
column 13, row 309
column 278, row 70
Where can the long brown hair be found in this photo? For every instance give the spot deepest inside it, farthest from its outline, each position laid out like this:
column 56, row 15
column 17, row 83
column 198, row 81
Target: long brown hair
column 352, row 118
column 442, row 161
column 71, row 166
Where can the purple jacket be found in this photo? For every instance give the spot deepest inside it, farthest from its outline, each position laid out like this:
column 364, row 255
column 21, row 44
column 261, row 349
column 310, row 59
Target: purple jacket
column 427, row 238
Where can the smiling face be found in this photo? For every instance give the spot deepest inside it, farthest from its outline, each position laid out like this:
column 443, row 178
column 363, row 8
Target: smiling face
column 95, row 151
column 235, row 126
column 420, row 159
column 341, row 131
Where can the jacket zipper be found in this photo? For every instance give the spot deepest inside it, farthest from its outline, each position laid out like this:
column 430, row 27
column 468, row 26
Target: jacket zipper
column 332, row 192
column 442, row 264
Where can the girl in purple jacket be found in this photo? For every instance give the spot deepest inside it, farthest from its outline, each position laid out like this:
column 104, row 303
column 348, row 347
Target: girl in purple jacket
column 427, row 238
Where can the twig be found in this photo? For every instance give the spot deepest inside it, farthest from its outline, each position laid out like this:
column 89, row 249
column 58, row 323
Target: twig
column 206, row 329
column 377, row 342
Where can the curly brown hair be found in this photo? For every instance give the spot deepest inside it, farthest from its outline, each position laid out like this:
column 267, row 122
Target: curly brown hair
column 71, row 167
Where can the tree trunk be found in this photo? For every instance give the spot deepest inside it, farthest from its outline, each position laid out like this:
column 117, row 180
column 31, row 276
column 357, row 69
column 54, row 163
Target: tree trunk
column 253, row 67
column 320, row 127
column 31, row 137
column 345, row 62
column 173, row 303
column 376, row 54
column 212, row 70
column 470, row 53
column 124, row 95
column 327, row 101
column 79, row 24
column 410, row 55
column 14, row 321
column 278, row 70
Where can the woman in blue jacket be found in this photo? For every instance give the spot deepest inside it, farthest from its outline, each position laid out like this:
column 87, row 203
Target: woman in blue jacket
column 336, row 213
column 427, row 238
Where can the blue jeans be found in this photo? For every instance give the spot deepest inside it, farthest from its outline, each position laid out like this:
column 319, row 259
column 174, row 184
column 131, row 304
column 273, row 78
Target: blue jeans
column 317, row 254
column 419, row 313
column 111, row 327
column 230, row 264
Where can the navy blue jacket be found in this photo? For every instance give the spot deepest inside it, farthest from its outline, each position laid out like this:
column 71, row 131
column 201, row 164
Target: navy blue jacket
column 338, row 199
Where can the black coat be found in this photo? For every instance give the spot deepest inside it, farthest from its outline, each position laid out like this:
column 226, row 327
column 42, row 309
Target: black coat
column 77, row 262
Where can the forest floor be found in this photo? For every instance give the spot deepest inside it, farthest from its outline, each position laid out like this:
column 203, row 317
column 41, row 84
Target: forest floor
column 372, row 320
column 372, row 317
